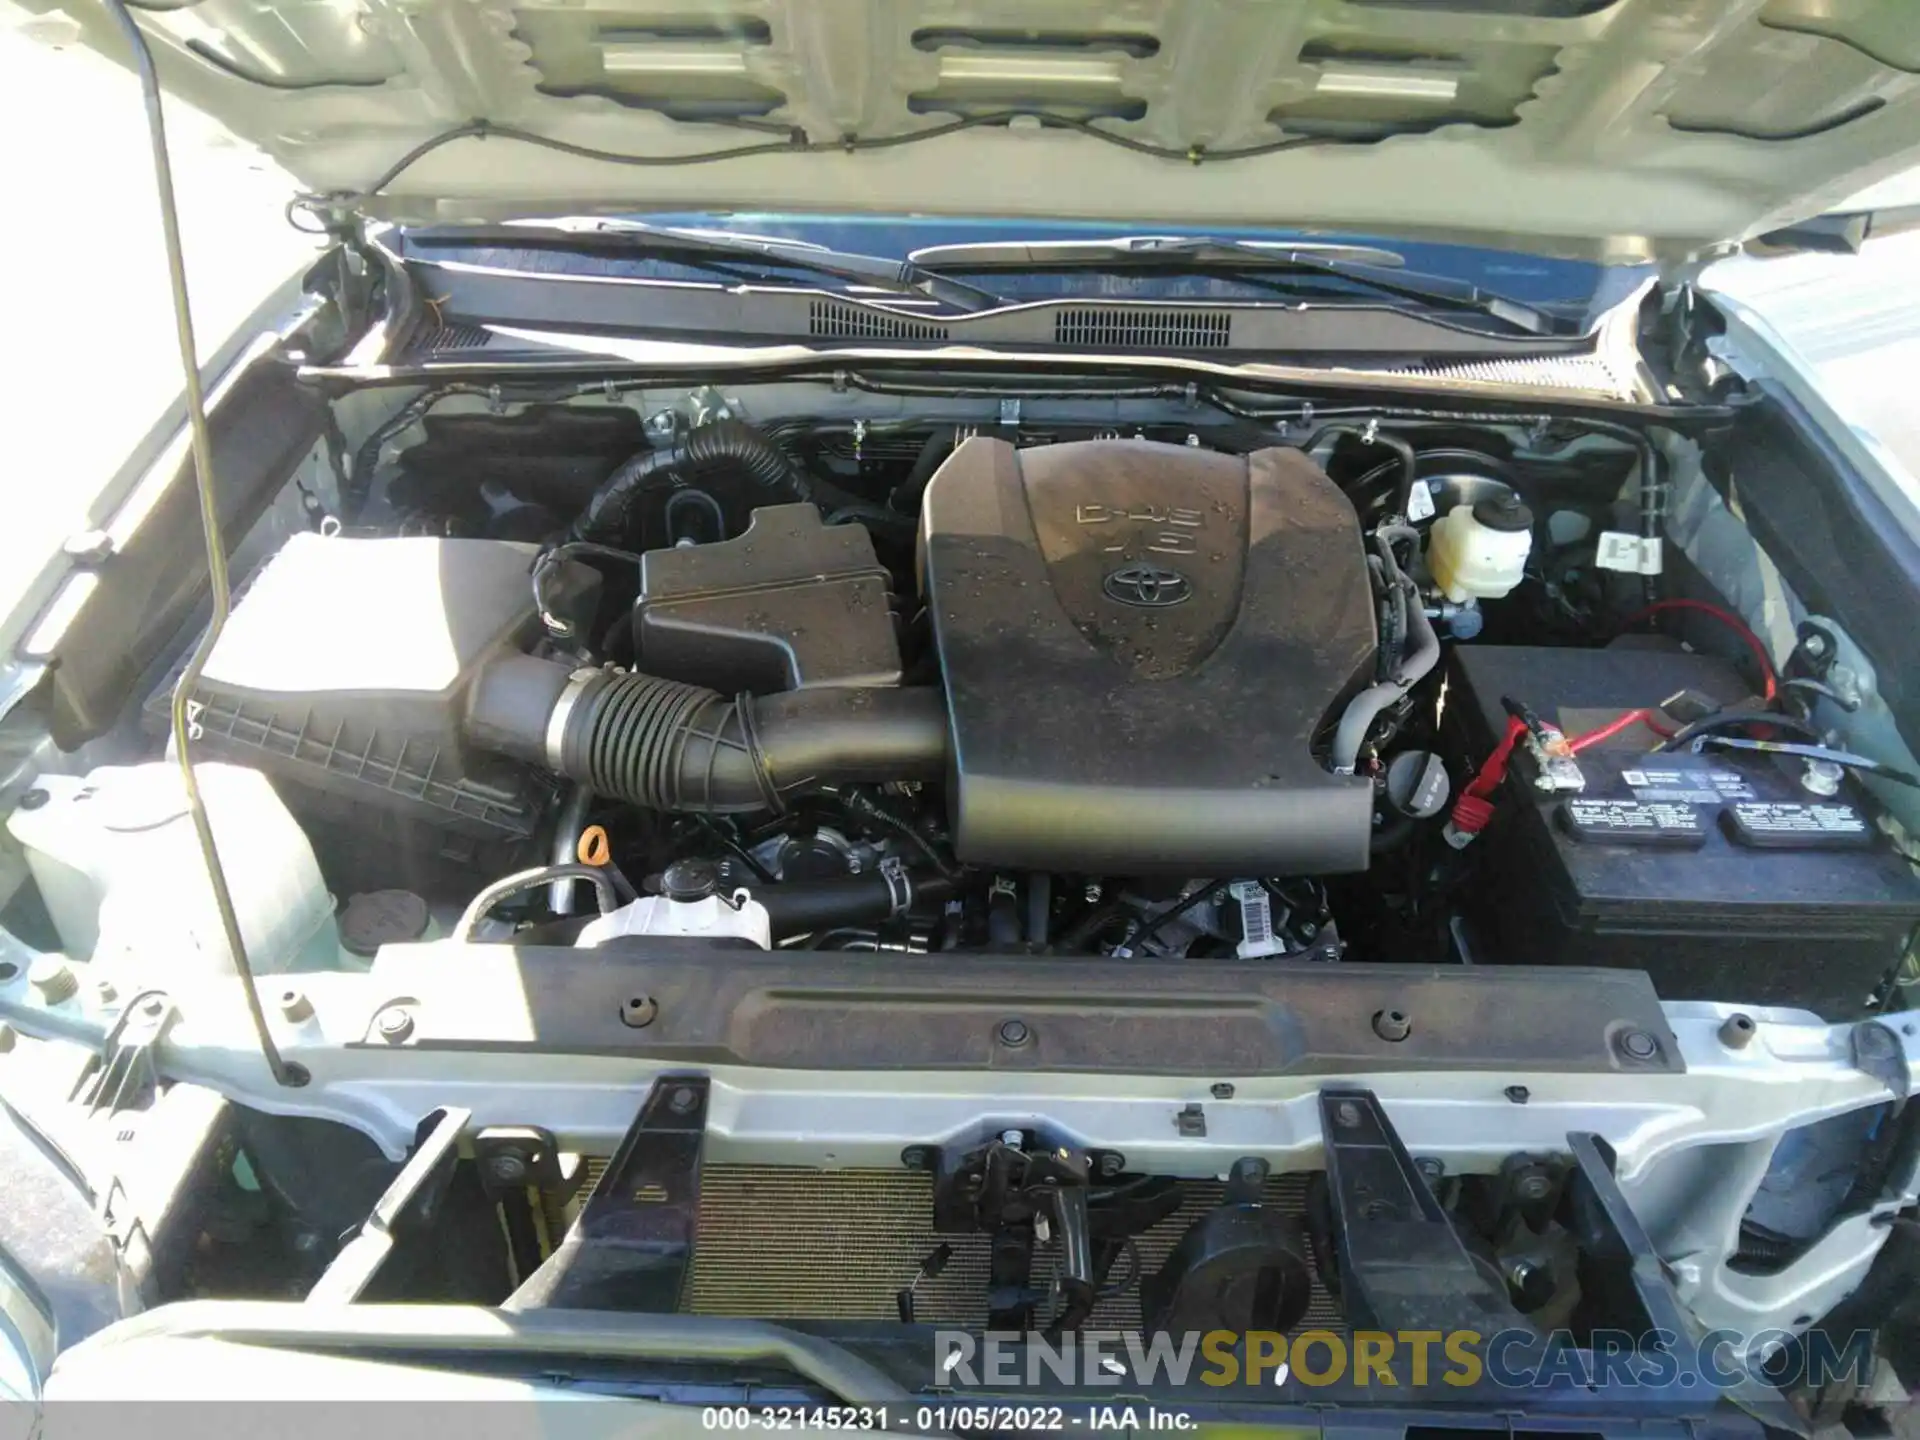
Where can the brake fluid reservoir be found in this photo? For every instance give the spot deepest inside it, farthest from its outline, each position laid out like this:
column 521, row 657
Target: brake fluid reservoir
column 689, row 903
column 1479, row 551
column 117, row 863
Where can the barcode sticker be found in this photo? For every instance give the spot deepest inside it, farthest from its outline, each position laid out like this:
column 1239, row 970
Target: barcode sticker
column 1256, row 920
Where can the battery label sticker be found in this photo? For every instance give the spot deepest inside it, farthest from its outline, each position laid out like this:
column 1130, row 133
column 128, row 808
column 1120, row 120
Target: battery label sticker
column 1687, row 784
column 1635, row 822
column 1798, row 825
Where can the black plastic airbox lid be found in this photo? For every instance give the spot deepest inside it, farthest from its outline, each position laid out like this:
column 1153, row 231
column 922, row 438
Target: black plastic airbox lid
column 1140, row 643
column 789, row 605
column 344, row 668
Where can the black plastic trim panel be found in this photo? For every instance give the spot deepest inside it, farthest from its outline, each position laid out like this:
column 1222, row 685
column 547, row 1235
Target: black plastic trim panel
column 687, row 1002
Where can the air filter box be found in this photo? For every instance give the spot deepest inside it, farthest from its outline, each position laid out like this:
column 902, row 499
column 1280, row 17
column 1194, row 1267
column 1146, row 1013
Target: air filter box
column 1719, row 874
column 344, row 667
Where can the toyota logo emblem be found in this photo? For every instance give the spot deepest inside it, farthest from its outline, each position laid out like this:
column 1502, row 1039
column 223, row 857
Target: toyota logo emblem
column 1148, row 586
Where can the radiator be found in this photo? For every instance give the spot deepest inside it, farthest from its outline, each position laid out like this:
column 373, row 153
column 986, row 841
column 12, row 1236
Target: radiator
column 791, row 1243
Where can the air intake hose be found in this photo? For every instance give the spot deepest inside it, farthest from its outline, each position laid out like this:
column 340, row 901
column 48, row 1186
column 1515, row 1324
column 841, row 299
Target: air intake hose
column 666, row 745
column 720, row 446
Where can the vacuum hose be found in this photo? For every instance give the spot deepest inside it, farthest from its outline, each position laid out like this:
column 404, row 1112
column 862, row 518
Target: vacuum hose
column 720, row 445
column 1409, row 668
column 666, row 745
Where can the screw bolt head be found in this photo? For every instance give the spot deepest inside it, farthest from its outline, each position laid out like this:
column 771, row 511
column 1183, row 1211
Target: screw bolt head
column 1014, row 1033
column 1639, row 1045
column 1737, row 1031
column 508, row 1167
column 1392, row 1025
column 53, row 978
column 394, row 1024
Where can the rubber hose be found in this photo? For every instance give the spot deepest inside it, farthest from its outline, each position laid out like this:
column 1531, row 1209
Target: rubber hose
column 1003, row 921
column 665, row 745
column 720, row 445
column 524, row 880
column 1365, row 708
column 939, row 445
column 1374, row 435
column 800, row 906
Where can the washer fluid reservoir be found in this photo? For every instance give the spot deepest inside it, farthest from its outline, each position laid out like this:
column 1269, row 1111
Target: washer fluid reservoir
column 119, row 868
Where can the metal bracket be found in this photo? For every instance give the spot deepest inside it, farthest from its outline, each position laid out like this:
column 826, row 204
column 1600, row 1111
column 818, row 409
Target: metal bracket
column 1734, row 358
column 409, row 1204
column 520, row 1169
column 1877, row 1051
column 1619, row 1267
column 512, row 1157
column 1021, row 1187
column 701, row 405
column 127, row 1077
column 631, row 1245
column 1402, row 1264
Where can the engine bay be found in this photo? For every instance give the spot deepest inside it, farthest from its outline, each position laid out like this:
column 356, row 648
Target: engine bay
column 948, row 832
column 1024, row 687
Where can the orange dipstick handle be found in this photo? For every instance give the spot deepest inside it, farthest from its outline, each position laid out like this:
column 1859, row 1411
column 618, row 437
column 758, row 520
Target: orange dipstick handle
column 594, row 848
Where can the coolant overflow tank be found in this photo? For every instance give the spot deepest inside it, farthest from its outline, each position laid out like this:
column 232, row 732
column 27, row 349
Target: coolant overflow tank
column 691, row 902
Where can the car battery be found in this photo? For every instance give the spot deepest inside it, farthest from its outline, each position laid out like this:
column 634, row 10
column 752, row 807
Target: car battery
column 1721, row 874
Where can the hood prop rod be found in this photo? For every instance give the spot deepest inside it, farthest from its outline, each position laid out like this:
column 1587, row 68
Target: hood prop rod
column 283, row 1072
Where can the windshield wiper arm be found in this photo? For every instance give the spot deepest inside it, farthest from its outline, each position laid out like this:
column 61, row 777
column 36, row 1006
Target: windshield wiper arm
column 1039, row 254
column 1363, row 266
column 900, row 277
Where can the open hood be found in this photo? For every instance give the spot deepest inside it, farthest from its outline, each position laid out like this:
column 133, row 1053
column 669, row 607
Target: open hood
column 1619, row 130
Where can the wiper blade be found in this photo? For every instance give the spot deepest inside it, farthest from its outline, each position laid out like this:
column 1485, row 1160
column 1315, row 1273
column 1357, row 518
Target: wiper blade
column 1366, row 267
column 1039, row 254
column 876, row 272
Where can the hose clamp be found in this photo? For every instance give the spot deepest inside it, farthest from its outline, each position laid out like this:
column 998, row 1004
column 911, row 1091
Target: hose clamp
column 893, row 870
column 570, row 693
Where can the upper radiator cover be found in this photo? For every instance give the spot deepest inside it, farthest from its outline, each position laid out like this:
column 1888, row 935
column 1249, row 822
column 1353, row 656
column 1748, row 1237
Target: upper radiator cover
column 1140, row 642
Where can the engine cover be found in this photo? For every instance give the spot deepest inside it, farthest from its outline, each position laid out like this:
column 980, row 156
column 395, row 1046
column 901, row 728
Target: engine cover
column 1140, row 642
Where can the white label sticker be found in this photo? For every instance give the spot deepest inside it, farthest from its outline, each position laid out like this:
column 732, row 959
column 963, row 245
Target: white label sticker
column 1256, row 921
column 1630, row 554
column 1420, row 501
